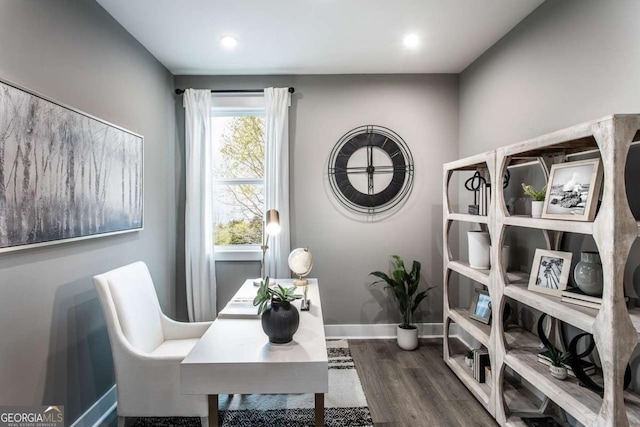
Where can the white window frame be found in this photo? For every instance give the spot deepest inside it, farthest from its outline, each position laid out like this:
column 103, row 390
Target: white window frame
column 238, row 106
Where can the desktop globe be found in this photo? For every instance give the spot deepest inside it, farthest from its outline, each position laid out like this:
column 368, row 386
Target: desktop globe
column 301, row 262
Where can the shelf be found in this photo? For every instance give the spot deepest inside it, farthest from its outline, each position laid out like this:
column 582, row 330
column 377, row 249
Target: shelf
column 480, row 219
column 549, row 224
column 578, row 316
column 582, row 403
column 519, row 338
column 462, row 267
column 578, row 401
column 477, row 330
column 481, row 391
column 518, row 398
column 479, row 161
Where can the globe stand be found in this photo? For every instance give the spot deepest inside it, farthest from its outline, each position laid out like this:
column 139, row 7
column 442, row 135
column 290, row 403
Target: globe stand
column 305, row 303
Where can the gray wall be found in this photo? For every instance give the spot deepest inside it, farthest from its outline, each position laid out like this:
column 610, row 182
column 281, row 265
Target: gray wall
column 54, row 347
column 423, row 110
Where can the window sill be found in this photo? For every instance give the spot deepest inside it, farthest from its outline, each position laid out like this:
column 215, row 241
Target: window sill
column 238, row 254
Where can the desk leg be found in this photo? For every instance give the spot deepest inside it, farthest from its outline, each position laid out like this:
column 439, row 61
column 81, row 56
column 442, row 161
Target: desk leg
column 319, row 409
column 213, row 410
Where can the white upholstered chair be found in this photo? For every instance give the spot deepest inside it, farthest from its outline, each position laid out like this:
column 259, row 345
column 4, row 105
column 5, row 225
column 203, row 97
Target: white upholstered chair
column 147, row 347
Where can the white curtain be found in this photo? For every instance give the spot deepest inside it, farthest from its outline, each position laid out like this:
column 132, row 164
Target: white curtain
column 277, row 101
column 199, row 228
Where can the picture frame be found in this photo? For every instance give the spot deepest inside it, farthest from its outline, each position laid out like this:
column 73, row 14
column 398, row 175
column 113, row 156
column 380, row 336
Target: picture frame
column 550, row 272
column 572, row 190
column 73, row 176
column 481, row 306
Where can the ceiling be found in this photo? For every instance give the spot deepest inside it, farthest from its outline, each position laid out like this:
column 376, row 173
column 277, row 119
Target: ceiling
column 317, row 36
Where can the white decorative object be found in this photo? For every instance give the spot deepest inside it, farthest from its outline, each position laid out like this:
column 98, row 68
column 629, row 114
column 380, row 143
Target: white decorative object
column 407, row 338
column 479, row 245
column 301, row 262
column 558, row 372
column 536, row 208
column 147, row 347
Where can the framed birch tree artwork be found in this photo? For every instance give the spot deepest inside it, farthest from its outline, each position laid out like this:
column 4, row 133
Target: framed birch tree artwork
column 64, row 175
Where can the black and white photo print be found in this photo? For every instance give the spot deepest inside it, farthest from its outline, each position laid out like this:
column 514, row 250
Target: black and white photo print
column 550, row 272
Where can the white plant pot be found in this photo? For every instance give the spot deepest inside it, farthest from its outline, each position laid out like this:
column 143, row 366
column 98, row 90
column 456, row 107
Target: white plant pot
column 536, row 208
column 479, row 252
column 558, row 372
column 468, row 361
column 407, row 338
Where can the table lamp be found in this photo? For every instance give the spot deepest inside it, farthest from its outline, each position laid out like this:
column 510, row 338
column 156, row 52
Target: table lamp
column 271, row 226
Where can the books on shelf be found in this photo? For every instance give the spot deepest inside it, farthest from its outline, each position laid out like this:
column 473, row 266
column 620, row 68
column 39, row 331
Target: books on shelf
column 480, row 362
column 587, row 367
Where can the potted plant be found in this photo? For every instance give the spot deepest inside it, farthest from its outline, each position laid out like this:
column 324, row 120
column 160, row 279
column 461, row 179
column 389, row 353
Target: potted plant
column 280, row 318
column 537, row 199
column 468, row 358
column 558, row 361
column 404, row 286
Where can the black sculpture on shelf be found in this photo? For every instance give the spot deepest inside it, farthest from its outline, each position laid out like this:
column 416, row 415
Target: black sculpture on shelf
column 575, row 360
column 481, row 192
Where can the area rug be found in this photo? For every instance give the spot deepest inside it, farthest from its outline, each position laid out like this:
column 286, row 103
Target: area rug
column 345, row 404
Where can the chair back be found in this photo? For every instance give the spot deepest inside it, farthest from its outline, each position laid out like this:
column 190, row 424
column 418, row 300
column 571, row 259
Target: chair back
column 131, row 307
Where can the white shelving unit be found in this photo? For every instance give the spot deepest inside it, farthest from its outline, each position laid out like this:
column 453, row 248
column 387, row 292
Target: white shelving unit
column 616, row 330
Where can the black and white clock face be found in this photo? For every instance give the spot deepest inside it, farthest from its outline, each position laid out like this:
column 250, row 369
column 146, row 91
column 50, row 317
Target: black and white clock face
column 371, row 170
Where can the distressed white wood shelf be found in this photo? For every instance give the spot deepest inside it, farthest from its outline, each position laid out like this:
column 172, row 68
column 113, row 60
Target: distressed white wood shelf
column 477, row 330
column 614, row 230
column 481, row 391
column 576, row 315
column 549, row 224
column 463, row 267
column 479, row 219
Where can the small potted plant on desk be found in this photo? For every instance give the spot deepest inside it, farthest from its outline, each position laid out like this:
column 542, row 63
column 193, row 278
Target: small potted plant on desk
column 537, row 199
column 404, row 286
column 558, row 360
column 280, row 318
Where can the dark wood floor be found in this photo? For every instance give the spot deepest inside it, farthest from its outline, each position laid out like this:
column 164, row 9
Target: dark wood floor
column 409, row 388
column 414, row 388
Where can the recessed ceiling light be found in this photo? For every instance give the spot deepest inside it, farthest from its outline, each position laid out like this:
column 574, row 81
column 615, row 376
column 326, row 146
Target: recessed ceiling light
column 228, row 42
column 411, row 41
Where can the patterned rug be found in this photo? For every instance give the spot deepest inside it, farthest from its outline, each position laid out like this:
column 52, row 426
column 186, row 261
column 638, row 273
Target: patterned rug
column 345, row 404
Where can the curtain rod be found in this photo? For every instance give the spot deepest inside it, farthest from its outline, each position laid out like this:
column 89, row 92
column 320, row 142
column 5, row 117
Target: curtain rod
column 181, row 91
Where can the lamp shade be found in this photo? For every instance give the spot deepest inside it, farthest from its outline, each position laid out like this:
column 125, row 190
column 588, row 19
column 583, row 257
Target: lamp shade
column 272, row 222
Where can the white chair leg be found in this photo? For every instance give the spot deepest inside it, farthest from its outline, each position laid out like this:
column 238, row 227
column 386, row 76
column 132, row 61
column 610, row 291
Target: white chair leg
column 204, row 421
column 121, row 421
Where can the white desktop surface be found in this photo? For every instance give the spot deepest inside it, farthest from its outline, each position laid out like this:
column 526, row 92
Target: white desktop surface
column 235, row 355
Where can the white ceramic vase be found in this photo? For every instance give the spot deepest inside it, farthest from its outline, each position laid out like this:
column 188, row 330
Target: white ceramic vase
column 536, row 208
column 407, row 338
column 479, row 252
column 558, row 372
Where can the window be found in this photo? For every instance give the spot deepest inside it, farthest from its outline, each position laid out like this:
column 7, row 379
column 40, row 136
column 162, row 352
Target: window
column 238, row 159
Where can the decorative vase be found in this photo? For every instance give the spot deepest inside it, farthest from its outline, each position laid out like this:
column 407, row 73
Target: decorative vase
column 468, row 361
column 506, row 257
column 280, row 321
column 588, row 274
column 558, row 372
column 479, row 252
column 407, row 338
column 536, row 208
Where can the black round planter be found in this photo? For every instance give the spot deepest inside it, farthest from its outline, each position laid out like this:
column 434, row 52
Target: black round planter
column 280, row 321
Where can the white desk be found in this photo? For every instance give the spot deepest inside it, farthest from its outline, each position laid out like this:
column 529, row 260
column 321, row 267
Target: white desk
column 235, row 356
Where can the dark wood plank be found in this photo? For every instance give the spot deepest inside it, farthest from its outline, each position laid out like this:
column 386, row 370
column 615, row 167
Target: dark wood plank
column 414, row 387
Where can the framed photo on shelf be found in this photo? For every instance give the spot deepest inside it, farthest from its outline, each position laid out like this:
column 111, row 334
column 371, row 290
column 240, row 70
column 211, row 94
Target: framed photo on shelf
column 550, row 272
column 572, row 191
column 481, row 307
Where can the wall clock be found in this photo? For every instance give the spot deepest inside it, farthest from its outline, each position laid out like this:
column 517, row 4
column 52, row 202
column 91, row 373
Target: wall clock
column 371, row 170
